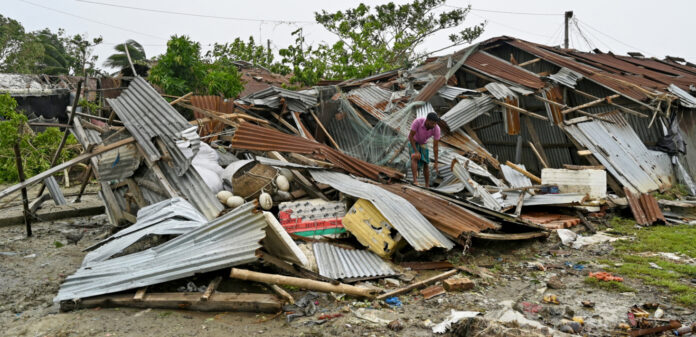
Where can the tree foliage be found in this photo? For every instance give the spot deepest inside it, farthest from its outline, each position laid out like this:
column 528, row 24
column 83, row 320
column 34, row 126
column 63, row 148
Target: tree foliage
column 120, row 59
column 36, row 149
column 249, row 51
column 375, row 39
column 45, row 52
column 181, row 69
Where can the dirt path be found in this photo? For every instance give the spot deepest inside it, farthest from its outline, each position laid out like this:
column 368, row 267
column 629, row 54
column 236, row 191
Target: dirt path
column 31, row 271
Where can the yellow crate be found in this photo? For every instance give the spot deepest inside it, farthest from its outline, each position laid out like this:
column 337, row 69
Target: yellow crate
column 372, row 229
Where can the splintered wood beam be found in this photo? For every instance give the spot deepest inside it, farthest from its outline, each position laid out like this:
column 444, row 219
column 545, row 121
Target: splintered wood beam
column 174, row 102
column 622, row 108
column 538, row 155
column 529, row 62
column 589, row 104
column 187, row 301
column 321, row 125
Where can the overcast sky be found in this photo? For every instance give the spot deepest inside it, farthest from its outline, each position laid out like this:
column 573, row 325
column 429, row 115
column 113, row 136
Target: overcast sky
column 653, row 28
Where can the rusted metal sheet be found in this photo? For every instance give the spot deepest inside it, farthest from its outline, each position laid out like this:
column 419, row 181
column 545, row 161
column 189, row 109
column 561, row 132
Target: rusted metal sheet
column 503, row 70
column 618, row 83
column 553, row 111
column 371, row 98
column 212, row 103
column 252, row 137
column 450, row 219
column 464, row 142
column 430, row 89
column 644, row 207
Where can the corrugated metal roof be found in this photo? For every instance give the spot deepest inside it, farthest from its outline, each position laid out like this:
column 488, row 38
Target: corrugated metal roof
column 644, row 207
column 229, row 240
column 194, row 189
column 371, row 98
column 453, row 220
column 430, row 89
column 54, row 190
column 340, row 263
column 119, row 163
column 566, row 77
column 253, row 137
column 169, row 217
column 515, row 178
column 451, row 93
column 147, row 115
column 422, row 111
column 270, row 97
column 500, row 91
column 466, row 111
column 684, row 97
column 405, row 218
column 502, row 70
column 622, row 152
column 478, row 191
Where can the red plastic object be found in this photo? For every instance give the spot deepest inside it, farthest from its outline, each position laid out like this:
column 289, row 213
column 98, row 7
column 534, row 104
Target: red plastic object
column 299, row 225
column 604, row 276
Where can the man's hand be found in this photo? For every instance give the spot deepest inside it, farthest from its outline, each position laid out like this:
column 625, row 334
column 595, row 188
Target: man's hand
column 416, row 156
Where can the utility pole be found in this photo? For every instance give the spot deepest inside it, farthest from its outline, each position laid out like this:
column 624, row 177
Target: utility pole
column 568, row 15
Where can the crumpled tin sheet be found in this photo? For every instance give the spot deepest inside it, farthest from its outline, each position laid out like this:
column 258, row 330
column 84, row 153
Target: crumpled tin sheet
column 227, row 241
column 340, row 263
column 405, row 218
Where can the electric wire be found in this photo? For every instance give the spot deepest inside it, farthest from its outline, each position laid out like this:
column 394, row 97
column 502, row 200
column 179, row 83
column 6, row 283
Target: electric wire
column 162, row 11
column 615, row 39
column 92, row 20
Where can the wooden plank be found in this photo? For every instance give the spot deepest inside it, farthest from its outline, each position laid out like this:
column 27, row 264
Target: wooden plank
column 523, row 171
column 529, row 62
column 589, row 104
column 584, row 167
column 419, row 284
column 209, row 114
column 514, row 236
column 622, row 108
column 188, row 301
column 140, row 294
column 43, row 175
column 172, row 103
column 341, row 288
column 584, row 153
column 282, row 293
column 52, row 212
column 538, row 155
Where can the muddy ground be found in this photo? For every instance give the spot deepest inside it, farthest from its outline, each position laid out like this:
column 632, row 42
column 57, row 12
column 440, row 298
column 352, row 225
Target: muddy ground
column 31, row 270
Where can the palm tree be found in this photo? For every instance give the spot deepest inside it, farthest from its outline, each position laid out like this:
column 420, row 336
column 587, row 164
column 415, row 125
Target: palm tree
column 120, row 60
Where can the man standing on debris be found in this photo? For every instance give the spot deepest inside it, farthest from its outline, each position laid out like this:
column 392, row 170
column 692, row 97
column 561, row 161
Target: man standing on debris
column 421, row 130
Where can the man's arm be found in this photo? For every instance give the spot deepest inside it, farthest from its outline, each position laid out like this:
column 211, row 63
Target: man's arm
column 436, row 149
column 411, row 139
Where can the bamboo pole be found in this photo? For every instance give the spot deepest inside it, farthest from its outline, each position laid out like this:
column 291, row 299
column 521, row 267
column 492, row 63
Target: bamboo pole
column 321, row 125
column 589, row 104
column 528, row 113
column 418, row 284
column 248, row 275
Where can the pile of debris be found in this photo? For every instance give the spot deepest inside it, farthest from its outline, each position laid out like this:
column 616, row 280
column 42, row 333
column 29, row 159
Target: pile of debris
column 533, row 138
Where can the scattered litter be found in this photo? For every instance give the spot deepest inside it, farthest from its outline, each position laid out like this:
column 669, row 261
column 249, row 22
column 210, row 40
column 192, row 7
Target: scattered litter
column 654, row 265
column 393, row 301
column 552, row 299
column 454, row 317
column 604, row 276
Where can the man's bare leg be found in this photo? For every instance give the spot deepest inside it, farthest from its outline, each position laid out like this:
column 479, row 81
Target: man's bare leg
column 426, row 175
column 414, row 169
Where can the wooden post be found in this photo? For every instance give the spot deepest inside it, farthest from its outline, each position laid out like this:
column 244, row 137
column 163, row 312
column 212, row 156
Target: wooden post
column 88, row 175
column 417, row 285
column 521, row 170
column 25, row 199
column 65, row 134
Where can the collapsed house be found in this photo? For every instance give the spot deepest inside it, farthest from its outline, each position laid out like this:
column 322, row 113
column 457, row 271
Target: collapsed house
column 525, row 127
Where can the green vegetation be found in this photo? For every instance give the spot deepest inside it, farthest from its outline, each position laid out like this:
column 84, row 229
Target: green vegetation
column 45, row 52
column 37, row 149
column 375, row 39
column 248, row 51
column 635, row 256
column 610, row 285
column 676, row 192
column 182, row 70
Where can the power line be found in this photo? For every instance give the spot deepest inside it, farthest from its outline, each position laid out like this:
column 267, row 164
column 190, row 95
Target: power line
column 609, row 36
column 511, row 27
column 555, row 33
column 161, row 11
column 587, row 41
column 91, row 20
column 506, row 12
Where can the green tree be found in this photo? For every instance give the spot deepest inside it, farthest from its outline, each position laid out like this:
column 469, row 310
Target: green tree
column 120, row 59
column 247, row 51
column 19, row 51
column 181, row 69
column 377, row 39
